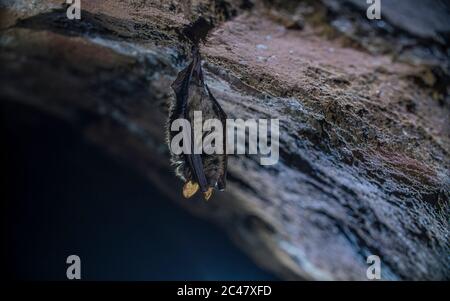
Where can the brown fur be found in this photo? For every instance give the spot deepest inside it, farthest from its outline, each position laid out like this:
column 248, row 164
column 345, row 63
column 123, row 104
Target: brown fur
column 192, row 94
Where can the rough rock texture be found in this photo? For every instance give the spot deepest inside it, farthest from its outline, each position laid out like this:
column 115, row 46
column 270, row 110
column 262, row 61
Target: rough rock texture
column 364, row 139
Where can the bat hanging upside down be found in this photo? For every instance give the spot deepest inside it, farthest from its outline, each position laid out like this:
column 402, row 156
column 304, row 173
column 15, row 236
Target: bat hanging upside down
column 198, row 171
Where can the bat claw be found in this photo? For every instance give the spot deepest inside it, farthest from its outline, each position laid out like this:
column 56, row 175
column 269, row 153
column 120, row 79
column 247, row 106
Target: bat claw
column 189, row 189
column 207, row 194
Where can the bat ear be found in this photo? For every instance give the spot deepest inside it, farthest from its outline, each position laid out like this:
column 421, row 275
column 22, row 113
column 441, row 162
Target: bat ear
column 189, row 189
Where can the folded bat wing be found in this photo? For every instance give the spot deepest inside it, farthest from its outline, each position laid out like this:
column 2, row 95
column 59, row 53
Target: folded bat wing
column 181, row 87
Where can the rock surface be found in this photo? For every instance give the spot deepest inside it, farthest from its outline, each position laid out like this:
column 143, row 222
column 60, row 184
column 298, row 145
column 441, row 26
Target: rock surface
column 364, row 139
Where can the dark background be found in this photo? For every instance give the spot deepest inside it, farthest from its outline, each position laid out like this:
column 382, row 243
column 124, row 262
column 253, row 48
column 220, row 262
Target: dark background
column 65, row 196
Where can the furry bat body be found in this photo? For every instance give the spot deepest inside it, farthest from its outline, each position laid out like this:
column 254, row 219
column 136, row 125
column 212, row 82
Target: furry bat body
column 198, row 171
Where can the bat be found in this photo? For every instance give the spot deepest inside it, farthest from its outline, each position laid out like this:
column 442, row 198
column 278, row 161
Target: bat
column 198, row 171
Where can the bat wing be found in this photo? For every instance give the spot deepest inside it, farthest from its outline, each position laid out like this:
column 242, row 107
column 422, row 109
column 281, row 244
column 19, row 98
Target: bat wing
column 221, row 183
column 181, row 87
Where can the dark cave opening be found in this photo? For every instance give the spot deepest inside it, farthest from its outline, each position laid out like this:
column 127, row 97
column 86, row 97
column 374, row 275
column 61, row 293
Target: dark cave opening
column 66, row 196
